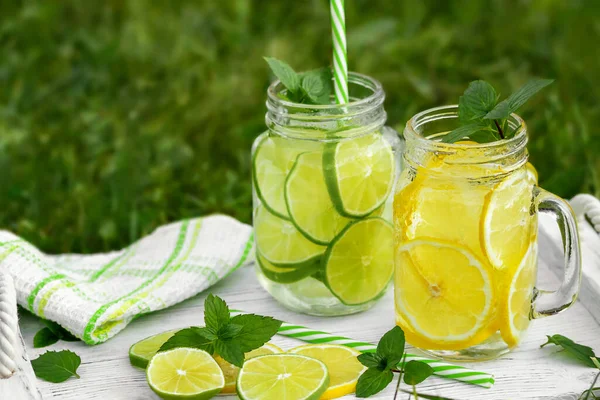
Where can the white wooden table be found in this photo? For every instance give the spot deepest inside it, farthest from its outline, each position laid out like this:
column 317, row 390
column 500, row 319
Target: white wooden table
column 527, row 373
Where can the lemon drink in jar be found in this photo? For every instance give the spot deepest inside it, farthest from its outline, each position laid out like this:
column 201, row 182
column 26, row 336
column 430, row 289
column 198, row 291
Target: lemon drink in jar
column 322, row 177
column 465, row 217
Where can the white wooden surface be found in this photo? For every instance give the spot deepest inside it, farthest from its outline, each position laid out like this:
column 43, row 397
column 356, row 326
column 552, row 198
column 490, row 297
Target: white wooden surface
column 527, row 373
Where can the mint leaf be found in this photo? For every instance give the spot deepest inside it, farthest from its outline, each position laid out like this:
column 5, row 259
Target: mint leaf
column 391, row 347
column 467, row 131
column 198, row 338
column 286, row 74
column 372, row 360
column 318, row 85
column 44, row 337
column 373, row 381
column 256, row 330
column 56, row 366
column 416, row 372
column 59, row 331
column 231, row 351
column 229, row 331
column 517, row 99
column 478, row 100
column 216, row 313
column 583, row 353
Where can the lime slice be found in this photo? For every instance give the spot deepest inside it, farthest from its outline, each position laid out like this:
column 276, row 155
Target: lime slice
column 273, row 158
column 280, row 243
column 141, row 352
column 359, row 263
column 342, row 364
column 231, row 372
column 308, row 201
column 359, row 174
column 282, row 376
column 185, row 373
column 286, row 275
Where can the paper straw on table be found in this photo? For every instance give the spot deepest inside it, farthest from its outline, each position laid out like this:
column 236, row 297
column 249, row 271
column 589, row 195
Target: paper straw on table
column 440, row 368
column 340, row 60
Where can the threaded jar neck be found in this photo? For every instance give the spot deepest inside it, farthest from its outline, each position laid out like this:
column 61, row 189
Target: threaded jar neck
column 362, row 115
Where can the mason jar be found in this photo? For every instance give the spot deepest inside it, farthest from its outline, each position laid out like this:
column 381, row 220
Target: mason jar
column 323, row 176
column 466, row 217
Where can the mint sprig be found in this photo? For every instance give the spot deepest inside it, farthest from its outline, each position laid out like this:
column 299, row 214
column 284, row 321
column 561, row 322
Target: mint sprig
column 386, row 360
column 310, row 87
column 230, row 337
column 482, row 118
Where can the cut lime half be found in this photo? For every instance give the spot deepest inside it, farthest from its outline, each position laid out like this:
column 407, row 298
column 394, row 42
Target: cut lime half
column 272, row 160
column 308, row 202
column 282, row 376
column 141, row 353
column 359, row 174
column 359, row 263
column 286, row 275
column 280, row 242
column 185, row 373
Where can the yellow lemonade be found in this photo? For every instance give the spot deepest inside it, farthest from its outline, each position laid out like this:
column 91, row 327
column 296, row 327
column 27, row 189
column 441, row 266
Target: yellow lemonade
column 465, row 253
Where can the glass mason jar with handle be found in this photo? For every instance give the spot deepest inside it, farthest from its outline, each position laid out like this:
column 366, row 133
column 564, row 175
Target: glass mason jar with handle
column 323, row 178
column 465, row 231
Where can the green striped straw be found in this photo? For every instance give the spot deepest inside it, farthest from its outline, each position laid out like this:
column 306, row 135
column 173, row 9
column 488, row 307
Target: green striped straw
column 440, row 368
column 340, row 59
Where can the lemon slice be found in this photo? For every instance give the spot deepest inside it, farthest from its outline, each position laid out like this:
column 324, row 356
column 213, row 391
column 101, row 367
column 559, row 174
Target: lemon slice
column 184, row 373
column 342, row 364
column 507, row 222
column 141, row 353
column 280, row 243
column 272, row 160
column 308, row 201
column 231, row 372
column 359, row 174
column 359, row 263
column 444, row 293
column 282, row 376
column 517, row 301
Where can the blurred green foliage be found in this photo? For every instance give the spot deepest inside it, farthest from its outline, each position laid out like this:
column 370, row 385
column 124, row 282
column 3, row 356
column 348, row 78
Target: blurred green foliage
column 118, row 116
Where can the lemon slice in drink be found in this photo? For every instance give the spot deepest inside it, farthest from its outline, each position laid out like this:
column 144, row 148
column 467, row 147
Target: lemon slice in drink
column 184, row 373
column 516, row 307
column 359, row 262
column 281, row 243
column 272, row 160
column 141, row 352
column 507, row 223
column 308, row 201
column 231, row 372
column 444, row 293
column 286, row 275
column 282, row 376
column 359, row 174
column 342, row 364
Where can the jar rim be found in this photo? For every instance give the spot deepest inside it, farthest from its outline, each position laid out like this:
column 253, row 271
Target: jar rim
column 451, row 111
column 370, row 83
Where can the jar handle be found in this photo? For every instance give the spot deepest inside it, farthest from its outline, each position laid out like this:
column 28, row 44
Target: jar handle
column 548, row 303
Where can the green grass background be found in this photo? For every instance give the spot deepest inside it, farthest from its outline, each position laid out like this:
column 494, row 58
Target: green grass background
column 117, row 116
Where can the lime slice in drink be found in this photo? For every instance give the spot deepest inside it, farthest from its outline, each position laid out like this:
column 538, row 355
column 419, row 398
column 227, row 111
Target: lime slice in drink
column 282, row 376
column 231, row 372
column 273, row 158
column 359, row 262
column 359, row 174
column 286, row 275
column 185, row 373
column 308, row 201
column 280, row 243
column 141, row 352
